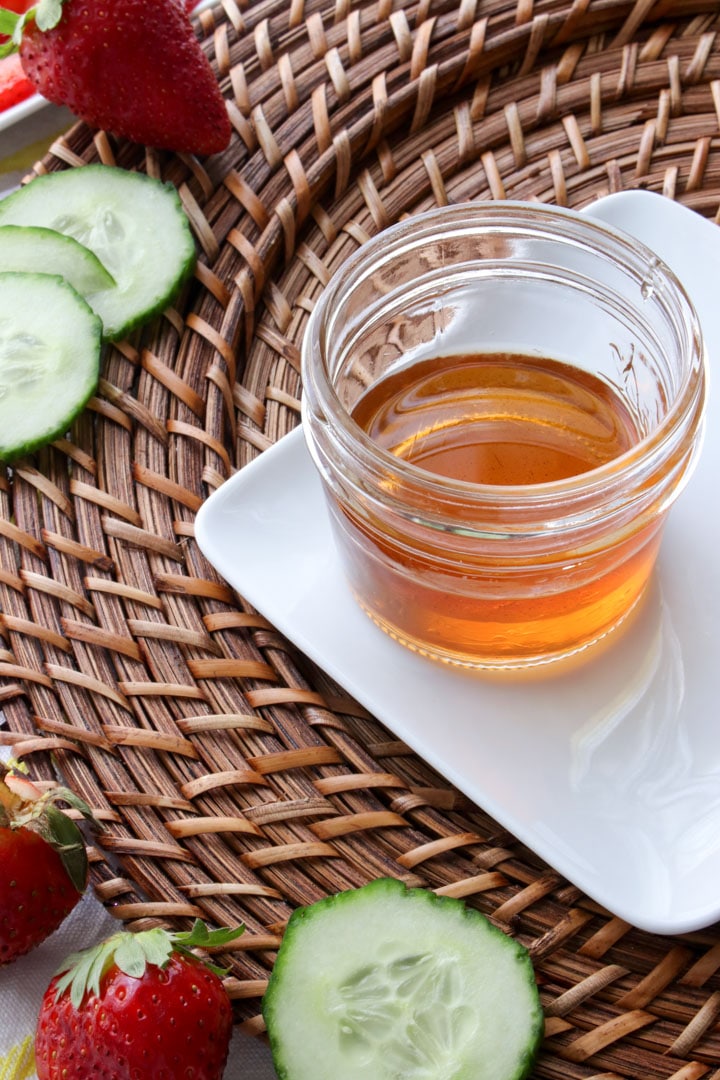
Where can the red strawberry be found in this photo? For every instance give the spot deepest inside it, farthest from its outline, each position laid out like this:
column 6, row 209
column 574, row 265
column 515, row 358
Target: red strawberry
column 43, row 860
column 131, row 67
column 138, row 1005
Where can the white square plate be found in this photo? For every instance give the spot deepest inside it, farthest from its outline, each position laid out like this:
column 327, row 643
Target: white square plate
column 609, row 769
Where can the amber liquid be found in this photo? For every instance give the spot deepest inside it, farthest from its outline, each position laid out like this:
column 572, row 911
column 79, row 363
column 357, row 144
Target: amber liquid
column 497, row 419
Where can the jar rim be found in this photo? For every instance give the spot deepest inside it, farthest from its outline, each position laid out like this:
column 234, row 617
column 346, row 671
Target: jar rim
column 527, row 217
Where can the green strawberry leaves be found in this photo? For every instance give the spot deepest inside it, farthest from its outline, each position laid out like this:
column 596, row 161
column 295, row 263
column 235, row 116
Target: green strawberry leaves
column 82, row 972
column 202, row 938
column 46, row 13
column 136, row 951
column 9, row 21
column 65, row 837
column 12, row 25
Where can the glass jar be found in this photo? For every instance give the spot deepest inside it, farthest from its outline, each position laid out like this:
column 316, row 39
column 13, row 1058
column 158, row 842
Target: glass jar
column 501, row 574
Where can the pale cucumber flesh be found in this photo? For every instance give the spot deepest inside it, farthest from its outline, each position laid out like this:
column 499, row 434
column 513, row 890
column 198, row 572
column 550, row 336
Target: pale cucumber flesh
column 135, row 225
column 390, row 983
column 35, row 250
column 50, row 344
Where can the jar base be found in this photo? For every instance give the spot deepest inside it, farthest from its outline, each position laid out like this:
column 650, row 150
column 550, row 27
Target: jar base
column 518, row 663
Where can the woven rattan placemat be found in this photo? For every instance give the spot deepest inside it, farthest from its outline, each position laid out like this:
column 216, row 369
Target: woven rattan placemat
column 234, row 780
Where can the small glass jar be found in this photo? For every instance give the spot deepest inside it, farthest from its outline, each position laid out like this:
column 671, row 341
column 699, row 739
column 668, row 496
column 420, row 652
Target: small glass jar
column 491, row 574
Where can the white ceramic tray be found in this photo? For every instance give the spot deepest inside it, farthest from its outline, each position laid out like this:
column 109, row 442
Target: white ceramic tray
column 608, row 769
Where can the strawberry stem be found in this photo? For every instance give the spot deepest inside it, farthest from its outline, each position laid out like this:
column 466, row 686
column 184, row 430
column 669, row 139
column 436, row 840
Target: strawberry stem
column 9, row 801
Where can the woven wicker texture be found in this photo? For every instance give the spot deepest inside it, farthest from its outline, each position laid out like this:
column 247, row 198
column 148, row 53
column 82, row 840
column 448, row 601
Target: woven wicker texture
column 233, row 779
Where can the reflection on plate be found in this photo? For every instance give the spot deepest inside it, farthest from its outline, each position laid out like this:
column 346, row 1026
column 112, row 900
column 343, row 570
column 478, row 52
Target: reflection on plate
column 609, row 769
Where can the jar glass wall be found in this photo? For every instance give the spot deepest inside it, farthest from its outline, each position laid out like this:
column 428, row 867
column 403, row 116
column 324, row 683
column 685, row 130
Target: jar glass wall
column 456, row 327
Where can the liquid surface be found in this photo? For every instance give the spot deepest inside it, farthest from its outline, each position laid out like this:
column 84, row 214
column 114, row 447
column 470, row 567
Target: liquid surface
column 497, row 418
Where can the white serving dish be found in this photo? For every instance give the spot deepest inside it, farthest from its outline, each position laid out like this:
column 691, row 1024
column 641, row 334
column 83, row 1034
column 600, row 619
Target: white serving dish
column 608, row 768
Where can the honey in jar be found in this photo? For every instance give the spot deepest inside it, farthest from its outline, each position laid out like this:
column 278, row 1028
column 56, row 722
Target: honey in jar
column 495, row 419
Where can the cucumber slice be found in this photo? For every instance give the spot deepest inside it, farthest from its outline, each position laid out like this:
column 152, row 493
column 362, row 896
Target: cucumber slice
column 391, row 983
column 50, row 342
column 33, row 249
column 134, row 224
